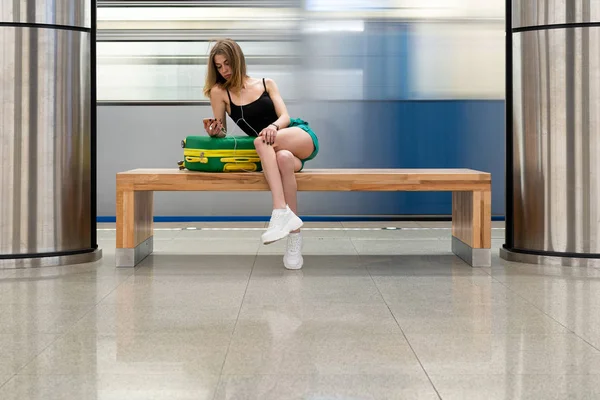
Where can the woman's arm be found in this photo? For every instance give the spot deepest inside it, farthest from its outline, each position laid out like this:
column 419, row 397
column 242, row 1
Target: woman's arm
column 217, row 102
column 284, row 119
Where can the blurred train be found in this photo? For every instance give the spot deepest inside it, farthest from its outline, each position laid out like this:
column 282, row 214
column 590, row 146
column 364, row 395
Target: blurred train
column 316, row 49
column 385, row 83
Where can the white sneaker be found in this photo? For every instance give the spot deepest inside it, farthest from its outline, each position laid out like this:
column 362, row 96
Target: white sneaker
column 293, row 252
column 282, row 222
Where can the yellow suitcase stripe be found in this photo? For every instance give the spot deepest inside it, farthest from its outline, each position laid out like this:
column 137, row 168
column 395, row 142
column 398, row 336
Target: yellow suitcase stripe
column 219, row 153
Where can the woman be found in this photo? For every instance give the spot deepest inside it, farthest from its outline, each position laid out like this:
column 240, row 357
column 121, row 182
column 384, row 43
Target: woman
column 282, row 143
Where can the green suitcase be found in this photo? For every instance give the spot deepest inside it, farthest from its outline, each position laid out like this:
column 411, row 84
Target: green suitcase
column 227, row 154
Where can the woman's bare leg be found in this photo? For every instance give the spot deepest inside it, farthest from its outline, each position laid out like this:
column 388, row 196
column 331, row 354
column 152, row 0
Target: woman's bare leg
column 298, row 143
column 288, row 165
column 271, row 170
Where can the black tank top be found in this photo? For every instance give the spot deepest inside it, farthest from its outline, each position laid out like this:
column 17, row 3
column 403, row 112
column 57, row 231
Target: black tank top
column 258, row 114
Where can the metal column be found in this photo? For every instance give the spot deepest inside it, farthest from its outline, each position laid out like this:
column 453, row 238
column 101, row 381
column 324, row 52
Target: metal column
column 47, row 133
column 553, row 132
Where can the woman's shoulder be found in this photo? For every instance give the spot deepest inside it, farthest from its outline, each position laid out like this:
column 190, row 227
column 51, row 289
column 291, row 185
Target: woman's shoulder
column 217, row 89
column 217, row 92
column 270, row 84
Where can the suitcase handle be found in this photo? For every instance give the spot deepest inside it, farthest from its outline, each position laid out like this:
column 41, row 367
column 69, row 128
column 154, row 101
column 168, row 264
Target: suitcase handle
column 247, row 167
column 240, row 159
column 202, row 160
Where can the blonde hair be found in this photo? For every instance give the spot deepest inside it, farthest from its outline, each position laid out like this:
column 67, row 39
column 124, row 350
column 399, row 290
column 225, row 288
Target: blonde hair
column 237, row 62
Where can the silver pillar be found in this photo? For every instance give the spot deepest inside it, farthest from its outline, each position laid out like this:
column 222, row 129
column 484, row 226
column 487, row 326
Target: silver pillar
column 553, row 128
column 47, row 133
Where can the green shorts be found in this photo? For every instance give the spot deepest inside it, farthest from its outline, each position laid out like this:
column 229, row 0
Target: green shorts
column 304, row 126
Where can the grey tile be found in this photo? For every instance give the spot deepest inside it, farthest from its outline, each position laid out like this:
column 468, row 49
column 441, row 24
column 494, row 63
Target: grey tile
column 41, row 291
column 190, row 274
column 206, row 246
column 112, row 319
column 128, row 353
column 510, row 273
column 312, row 231
column 517, row 386
column 381, row 224
column 92, row 272
column 497, row 243
column 6, row 273
column 460, row 290
column 323, row 230
column 434, row 299
column 228, row 225
column 33, row 318
column 296, row 288
column 435, row 224
column 568, row 299
column 322, row 224
column 291, row 387
column 465, row 316
column 271, row 266
column 490, row 354
column 185, row 385
column 580, row 314
column 4, row 379
column 106, row 233
column 313, row 246
column 573, row 301
column 226, row 234
column 167, row 233
column 331, row 353
column 498, row 232
column 315, row 319
column 428, row 267
column 388, row 261
column 106, row 225
column 565, row 302
column 592, row 336
column 108, row 247
column 17, row 349
column 402, row 247
column 215, row 292
column 193, row 264
column 402, row 233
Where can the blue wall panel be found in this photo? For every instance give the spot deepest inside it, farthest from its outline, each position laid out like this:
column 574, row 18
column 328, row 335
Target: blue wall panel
column 435, row 134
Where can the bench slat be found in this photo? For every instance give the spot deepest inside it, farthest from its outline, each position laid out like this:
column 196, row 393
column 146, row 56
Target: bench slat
column 310, row 180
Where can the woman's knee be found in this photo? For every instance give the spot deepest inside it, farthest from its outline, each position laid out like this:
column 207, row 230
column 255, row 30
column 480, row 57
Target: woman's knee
column 259, row 144
column 285, row 160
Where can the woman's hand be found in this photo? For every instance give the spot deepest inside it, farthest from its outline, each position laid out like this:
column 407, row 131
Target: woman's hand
column 214, row 128
column 269, row 134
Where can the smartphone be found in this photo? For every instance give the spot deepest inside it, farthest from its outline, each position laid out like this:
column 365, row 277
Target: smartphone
column 207, row 122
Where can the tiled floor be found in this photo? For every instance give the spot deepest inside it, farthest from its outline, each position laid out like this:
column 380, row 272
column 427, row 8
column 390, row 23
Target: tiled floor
column 374, row 314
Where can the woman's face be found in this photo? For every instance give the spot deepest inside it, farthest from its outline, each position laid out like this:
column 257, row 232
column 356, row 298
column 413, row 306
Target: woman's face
column 223, row 67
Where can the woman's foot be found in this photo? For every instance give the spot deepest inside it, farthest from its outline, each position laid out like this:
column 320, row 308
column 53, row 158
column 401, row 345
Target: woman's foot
column 293, row 251
column 282, row 222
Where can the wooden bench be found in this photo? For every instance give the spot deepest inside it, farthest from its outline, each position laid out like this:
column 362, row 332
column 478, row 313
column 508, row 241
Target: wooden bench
column 471, row 200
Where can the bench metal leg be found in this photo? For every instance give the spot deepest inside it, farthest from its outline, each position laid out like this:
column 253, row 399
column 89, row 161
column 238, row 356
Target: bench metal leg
column 472, row 227
column 135, row 227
